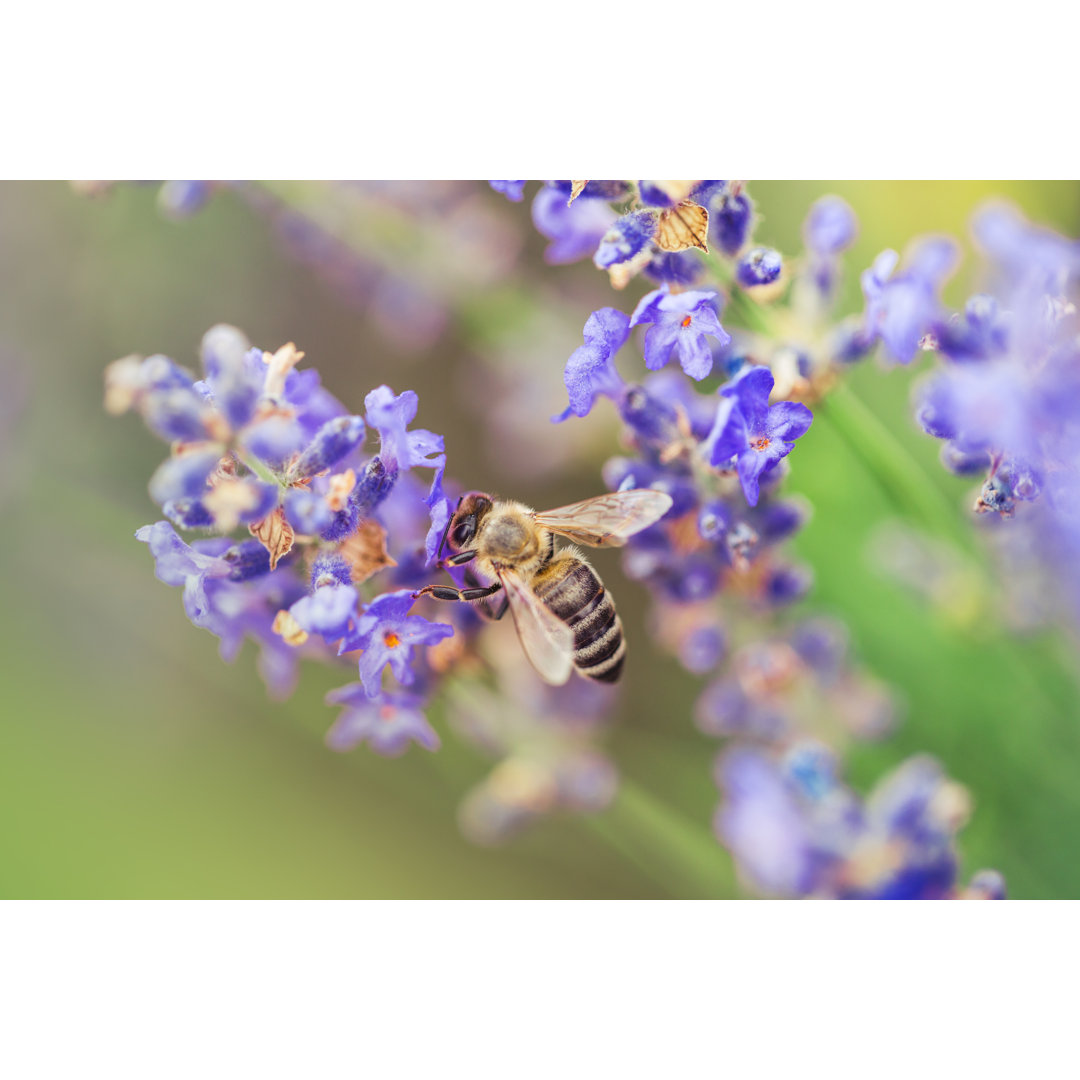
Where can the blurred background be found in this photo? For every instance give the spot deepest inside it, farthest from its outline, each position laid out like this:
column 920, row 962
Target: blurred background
column 134, row 763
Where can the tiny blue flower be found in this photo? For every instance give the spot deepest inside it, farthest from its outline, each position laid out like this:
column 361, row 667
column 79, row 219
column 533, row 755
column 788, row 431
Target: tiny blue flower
column 440, row 508
column 731, row 218
column 328, row 611
column 328, row 568
column 514, row 190
column 590, row 370
column 188, row 514
column 387, row 723
column 674, row 268
column 963, row 462
column 400, row 448
column 387, row 634
column 764, row 825
column 760, row 266
column 176, row 414
column 184, row 475
column 830, row 227
column 750, row 431
column 335, row 439
column 374, row 485
column 682, row 321
column 177, row 564
column 901, row 308
column 306, row 511
column 574, row 230
column 625, row 238
column 273, row 440
column 653, row 194
column 604, row 190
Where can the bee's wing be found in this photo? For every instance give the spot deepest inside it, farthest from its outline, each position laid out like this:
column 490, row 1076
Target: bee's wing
column 548, row 642
column 608, row 520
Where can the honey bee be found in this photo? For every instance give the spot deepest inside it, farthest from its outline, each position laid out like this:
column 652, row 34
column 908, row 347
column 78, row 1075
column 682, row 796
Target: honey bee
column 564, row 616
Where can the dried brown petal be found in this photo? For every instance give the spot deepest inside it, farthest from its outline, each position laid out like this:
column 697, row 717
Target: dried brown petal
column 288, row 629
column 683, row 226
column 224, row 471
column 341, row 486
column 365, row 551
column 576, row 188
column 275, row 534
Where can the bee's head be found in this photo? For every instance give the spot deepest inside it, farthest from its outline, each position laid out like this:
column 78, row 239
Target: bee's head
column 463, row 526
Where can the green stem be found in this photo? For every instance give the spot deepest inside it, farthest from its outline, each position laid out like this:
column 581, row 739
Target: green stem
column 890, row 463
column 681, row 854
column 677, row 853
column 259, row 469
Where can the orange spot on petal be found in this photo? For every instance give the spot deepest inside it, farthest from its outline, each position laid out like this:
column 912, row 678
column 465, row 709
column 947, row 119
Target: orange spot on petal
column 686, row 322
column 391, row 639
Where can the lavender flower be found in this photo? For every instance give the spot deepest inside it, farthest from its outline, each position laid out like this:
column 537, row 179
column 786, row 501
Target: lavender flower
column 754, row 434
column 625, row 239
column 330, row 611
column 796, row 830
column 680, row 321
column 830, row 227
column 590, row 370
column 902, row 307
column 761, row 266
column 574, row 230
column 514, row 190
column 388, row 634
column 387, row 723
column 731, row 219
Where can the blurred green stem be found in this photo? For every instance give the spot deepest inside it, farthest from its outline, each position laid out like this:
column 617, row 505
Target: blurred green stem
column 680, row 854
column 892, row 466
column 677, row 853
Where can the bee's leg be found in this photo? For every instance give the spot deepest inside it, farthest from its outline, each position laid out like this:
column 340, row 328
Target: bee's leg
column 458, row 559
column 444, row 592
column 484, row 607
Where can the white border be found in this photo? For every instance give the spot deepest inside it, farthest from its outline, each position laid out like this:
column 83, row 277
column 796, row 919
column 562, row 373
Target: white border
column 536, row 990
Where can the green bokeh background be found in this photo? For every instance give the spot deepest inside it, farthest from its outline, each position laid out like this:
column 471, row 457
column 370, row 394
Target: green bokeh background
column 133, row 763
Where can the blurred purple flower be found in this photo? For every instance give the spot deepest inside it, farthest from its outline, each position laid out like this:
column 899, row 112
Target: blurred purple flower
column 387, row 723
column 574, row 230
column 514, row 190
column 902, row 307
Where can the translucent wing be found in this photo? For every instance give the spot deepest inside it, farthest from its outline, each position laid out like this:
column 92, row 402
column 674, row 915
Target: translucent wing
column 548, row 642
column 608, row 520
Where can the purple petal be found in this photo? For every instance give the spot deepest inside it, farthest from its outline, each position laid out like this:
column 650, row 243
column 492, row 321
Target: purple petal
column 751, row 389
column 788, row 421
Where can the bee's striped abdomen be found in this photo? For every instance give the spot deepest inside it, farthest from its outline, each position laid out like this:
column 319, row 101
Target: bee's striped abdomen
column 571, row 589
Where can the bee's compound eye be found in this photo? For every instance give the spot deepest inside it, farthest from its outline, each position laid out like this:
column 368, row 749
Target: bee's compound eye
column 464, row 532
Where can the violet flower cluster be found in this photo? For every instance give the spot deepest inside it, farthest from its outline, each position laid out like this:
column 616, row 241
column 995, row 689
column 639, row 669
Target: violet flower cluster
column 1005, row 394
column 259, row 444
column 723, row 457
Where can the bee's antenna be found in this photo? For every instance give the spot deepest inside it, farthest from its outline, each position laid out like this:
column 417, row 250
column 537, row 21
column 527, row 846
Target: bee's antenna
column 446, row 531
